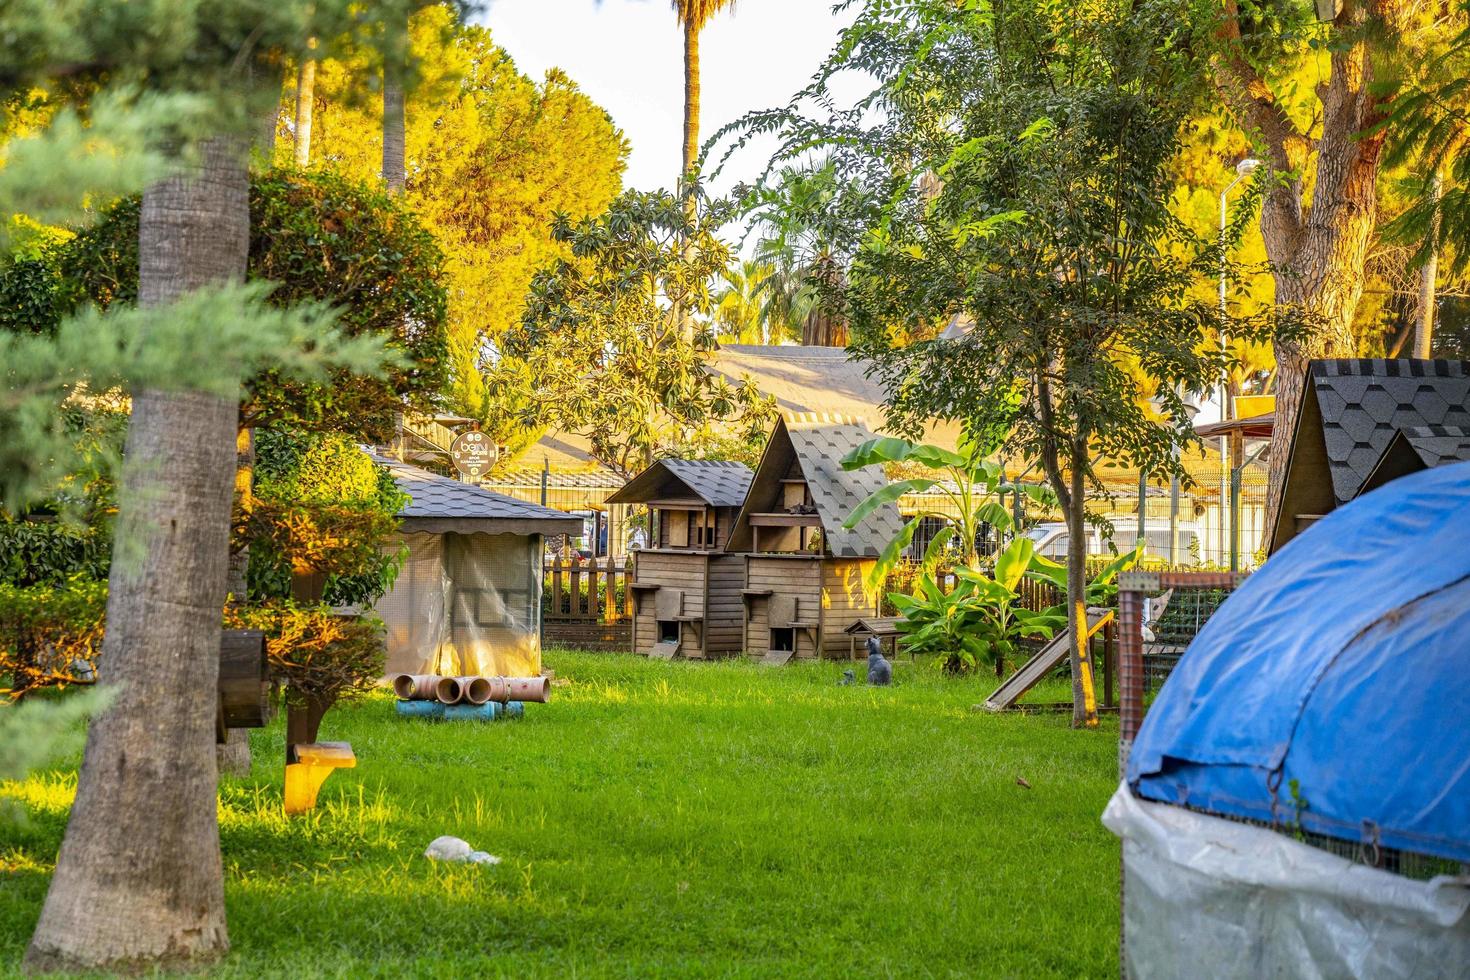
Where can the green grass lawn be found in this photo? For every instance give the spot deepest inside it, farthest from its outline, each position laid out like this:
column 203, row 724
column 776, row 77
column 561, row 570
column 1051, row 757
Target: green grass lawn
column 665, row 819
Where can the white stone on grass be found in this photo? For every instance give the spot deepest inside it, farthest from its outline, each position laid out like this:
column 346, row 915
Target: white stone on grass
column 454, row 849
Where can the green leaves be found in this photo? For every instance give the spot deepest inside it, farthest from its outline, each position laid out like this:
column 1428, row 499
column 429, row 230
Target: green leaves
column 888, row 494
column 208, row 341
column 886, row 449
column 978, row 620
column 1011, row 564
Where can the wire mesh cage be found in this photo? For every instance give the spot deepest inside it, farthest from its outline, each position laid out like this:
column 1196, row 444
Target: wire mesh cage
column 1159, row 615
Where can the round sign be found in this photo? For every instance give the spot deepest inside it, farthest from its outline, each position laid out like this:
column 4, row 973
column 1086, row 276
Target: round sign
column 473, row 453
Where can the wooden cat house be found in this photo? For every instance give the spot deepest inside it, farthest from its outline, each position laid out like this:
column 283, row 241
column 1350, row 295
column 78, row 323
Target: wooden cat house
column 686, row 586
column 804, row 571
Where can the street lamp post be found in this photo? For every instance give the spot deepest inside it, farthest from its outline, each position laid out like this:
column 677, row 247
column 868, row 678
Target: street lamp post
column 1243, row 169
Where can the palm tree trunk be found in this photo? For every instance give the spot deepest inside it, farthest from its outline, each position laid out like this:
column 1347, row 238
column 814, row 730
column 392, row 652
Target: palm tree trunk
column 394, row 57
column 305, row 104
column 139, row 880
column 691, row 109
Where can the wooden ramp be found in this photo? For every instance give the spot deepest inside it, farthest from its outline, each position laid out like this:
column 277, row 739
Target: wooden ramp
column 777, row 658
column 1032, row 671
column 664, row 650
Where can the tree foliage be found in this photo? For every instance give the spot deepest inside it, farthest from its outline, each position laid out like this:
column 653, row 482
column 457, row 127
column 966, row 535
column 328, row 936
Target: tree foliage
column 316, row 238
column 599, row 352
column 319, row 505
column 1009, row 176
column 492, row 157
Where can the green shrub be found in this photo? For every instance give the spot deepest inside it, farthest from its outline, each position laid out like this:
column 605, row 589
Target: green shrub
column 318, row 654
column 320, row 504
column 50, row 552
column 50, row 635
column 318, row 236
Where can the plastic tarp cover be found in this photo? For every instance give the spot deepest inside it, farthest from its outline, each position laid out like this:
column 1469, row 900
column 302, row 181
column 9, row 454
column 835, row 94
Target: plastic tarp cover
column 1330, row 688
column 1206, row 896
column 466, row 604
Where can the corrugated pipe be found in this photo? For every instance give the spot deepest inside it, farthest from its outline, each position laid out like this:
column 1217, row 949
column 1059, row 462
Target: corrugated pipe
column 415, row 687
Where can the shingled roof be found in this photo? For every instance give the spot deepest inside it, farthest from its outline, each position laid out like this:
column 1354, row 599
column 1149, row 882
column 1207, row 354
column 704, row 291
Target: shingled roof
column 718, row 482
column 816, row 443
column 441, row 505
column 1353, row 412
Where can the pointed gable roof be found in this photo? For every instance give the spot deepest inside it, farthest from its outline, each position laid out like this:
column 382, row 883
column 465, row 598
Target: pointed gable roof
column 816, row 444
column 1352, row 411
column 718, row 482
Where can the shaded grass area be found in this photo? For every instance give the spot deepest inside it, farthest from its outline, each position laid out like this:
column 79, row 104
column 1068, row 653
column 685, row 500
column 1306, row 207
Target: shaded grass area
column 666, row 819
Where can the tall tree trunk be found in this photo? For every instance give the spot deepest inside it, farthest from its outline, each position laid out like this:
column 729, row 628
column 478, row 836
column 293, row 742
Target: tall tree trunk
column 690, row 151
column 691, row 109
column 139, row 880
column 305, row 104
column 1071, row 491
column 1424, row 331
column 394, row 61
column 1318, row 253
column 1084, row 692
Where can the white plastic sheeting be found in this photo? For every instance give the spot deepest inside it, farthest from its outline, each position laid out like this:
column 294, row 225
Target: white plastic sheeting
column 1205, row 896
column 466, row 604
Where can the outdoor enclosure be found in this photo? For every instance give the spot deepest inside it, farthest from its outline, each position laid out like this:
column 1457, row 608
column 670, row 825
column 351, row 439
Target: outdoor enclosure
column 467, row 599
column 1300, row 778
column 804, row 573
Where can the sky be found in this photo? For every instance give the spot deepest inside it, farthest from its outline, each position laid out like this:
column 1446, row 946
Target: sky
column 628, row 55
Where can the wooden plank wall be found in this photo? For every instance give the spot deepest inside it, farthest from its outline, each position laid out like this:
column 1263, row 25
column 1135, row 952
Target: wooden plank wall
column 801, row 577
column 667, row 570
column 845, row 600
column 724, row 615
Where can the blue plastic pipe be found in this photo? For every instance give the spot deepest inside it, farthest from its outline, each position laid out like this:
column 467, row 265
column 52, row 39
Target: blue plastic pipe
column 420, row 709
column 489, row 711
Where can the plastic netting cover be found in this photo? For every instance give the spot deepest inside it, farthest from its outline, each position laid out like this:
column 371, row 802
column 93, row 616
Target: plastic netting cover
column 1210, row 897
column 1329, row 691
column 466, row 604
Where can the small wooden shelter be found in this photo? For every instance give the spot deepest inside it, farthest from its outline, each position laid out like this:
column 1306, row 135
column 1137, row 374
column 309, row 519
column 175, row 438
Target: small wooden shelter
column 686, row 586
column 1364, row 422
column 467, row 599
column 804, row 571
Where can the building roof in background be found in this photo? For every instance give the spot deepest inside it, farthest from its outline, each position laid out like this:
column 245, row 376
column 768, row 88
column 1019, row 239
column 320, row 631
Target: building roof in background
column 719, row 483
column 440, row 504
column 1365, row 402
column 1353, row 431
column 817, row 379
column 816, row 443
column 802, row 380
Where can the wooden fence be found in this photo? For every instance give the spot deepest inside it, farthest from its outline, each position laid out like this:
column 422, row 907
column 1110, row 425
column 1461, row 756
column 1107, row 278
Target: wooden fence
column 586, row 603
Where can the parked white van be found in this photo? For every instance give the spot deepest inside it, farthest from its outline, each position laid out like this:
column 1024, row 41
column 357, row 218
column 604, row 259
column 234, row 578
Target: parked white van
column 1053, row 541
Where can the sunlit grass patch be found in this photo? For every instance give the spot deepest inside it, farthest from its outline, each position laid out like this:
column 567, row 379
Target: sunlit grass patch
column 666, row 819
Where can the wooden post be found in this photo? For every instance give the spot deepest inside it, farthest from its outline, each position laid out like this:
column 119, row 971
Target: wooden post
column 556, row 588
column 628, row 588
column 610, row 606
column 592, row 589
column 576, row 587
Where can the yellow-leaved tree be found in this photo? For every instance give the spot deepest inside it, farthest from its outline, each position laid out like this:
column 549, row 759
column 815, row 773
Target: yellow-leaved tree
column 491, row 157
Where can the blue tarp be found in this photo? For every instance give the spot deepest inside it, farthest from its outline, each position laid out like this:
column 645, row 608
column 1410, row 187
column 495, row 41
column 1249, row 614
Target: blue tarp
column 1332, row 690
